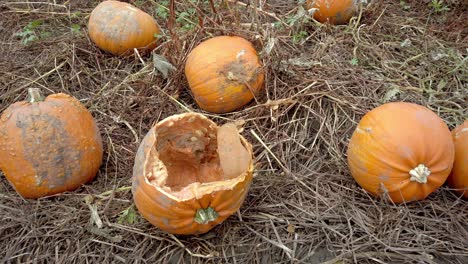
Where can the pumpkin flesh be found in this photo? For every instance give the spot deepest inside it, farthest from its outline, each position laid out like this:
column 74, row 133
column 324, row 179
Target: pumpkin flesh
column 178, row 181
column 458, row 179
column 402, row 150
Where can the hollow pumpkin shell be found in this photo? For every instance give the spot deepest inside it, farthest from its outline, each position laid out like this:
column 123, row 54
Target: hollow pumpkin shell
column 401, row 149
column 48, row 147
column 333, row 11
column 458, row 179
column 178, row 184
column 119, row 27
column 224, row 73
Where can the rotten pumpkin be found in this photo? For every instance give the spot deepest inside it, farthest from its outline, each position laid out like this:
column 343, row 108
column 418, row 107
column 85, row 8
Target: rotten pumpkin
column 224, row 73
column 190, row 174
column 119, row 27
column 48, row 145
column 402, row 151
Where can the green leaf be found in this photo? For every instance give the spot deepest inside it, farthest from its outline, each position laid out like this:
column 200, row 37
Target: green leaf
column 128, row 215
column 75, row 28
column 354, row 61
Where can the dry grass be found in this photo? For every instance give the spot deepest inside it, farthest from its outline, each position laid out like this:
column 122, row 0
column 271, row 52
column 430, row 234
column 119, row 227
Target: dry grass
column 304, row 207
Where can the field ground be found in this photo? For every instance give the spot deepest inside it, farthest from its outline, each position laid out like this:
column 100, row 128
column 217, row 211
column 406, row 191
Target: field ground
column 303, row 207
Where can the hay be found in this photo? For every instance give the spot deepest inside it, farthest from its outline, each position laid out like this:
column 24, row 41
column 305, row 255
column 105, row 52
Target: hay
column 303, row 206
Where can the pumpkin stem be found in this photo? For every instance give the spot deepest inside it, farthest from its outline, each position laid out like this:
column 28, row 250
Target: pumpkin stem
column 420, row 173
column 34, row 95
column 204, row 216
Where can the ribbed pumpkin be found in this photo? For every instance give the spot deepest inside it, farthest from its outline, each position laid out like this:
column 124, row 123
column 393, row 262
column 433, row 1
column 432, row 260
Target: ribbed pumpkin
column 224, row 73
column 48, row 145
column 333, row 11
column 119, row 27
column 458, row 179
column 190, row 175
column 402, row 149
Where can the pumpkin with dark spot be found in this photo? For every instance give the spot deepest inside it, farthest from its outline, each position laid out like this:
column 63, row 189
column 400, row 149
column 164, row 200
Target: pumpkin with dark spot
column 333, row 11
column 48, row 145
column 458, row 179
column 190, row 174
column 224, row 73
column 119, row 27
column 400, row 150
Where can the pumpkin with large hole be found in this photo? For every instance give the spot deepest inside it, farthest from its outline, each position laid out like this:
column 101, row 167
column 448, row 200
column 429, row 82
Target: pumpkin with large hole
column 224, row 73
column 48, row 145
column 332, row 11
column 400, row 150
column 190, row 174
column 458, row 179
column 119, row 27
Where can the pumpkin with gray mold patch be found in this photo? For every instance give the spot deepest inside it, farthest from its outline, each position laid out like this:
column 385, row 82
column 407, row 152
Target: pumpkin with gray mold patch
column 224, row 73
column 48, row 145
column 403, row 151
column 190, row 174
column 119, row 27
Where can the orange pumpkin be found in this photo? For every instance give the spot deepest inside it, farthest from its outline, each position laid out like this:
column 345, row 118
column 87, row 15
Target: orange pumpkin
column 119, row 27
column 458, row 179
column 401, row 149
column 190, row 175
column 48, row 145
column 333, row 11
column 224, row 73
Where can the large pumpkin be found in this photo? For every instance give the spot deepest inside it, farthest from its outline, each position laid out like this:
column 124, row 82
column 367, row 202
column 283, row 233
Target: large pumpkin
column 190, row 175
column 333, row 11
column 224, row 73
column 48, row 145
column 119, row 27
column 458, row 179
column 401, row 149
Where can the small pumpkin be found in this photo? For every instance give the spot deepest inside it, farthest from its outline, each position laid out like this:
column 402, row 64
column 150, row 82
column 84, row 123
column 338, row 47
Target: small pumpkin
column 333, row 11
column 190, row 174
column 119, row 27
column 48, row 145
column 401, row 149
column 458, row 179
column 224, row 73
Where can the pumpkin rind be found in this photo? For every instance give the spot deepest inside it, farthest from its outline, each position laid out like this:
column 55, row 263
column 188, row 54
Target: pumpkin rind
column 48, row 147
column 119, row 27
column 458, row 179
column 402, row 149
column 201, row 206
column 333, row 11
column 224, row 73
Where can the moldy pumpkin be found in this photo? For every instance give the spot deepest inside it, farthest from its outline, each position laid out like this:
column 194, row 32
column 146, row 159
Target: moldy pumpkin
column 190, row 175
column 119, row 27
column 224, row 73
column 48, row 145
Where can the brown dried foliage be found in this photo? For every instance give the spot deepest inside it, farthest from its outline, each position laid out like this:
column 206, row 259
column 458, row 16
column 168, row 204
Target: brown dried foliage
column 303, row 207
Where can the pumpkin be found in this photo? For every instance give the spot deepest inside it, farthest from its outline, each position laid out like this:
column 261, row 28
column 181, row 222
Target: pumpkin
column 119, row 27
column 48, row 145
column 333, row 11
column 190, row 174
column 402, row 150
column 224, row 73
column 458, row 179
